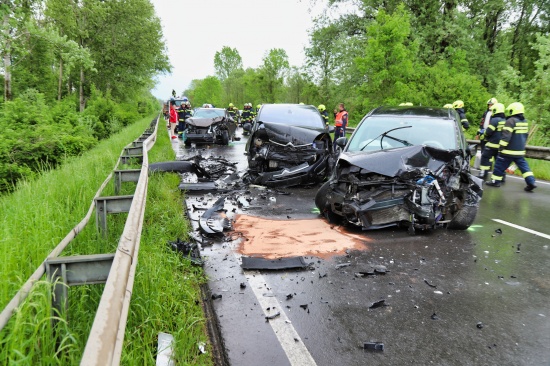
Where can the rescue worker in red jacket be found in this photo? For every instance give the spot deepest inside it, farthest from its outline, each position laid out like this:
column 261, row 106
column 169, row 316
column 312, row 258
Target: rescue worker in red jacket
column 340, row 122
column 512, row 147
column 173, row 119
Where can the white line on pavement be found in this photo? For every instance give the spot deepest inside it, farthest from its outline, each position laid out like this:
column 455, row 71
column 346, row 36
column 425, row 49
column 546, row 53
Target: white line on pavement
column 522, row 228
column 289, row 339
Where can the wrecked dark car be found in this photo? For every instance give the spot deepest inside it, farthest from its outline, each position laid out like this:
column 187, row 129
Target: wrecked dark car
column 289, row 145
column 404, row 166
column 210, row 126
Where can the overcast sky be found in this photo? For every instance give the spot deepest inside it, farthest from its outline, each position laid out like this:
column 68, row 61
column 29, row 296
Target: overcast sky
column 195, row 29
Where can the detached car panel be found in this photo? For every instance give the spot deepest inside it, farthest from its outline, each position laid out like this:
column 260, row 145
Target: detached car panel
column 415, row 185
column 288, row 146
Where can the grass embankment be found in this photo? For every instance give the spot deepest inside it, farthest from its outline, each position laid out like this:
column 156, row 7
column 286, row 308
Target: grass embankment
column 41, row 212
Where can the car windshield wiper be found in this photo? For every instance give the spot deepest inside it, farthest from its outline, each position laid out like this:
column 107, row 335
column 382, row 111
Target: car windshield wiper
column 385, row 134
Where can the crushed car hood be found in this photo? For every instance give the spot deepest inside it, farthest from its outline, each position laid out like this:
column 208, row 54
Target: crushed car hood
column 393, row 162
column 283, row 134
column 203, row 122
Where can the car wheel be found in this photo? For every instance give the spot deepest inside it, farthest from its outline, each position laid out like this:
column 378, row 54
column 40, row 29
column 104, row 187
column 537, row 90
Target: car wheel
column 321, row 197
column 225, row 137
column 463, row 218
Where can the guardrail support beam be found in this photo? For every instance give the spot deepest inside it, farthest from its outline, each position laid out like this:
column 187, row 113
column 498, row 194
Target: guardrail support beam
column 63, row 272
column 110, row 205
column 126, row 159
column 129, row 175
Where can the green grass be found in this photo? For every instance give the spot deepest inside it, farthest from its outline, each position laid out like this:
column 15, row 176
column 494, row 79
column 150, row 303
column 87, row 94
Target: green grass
column 41, row 212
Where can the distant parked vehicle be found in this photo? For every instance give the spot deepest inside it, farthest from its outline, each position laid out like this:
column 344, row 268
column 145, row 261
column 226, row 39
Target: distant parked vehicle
column 210, row 126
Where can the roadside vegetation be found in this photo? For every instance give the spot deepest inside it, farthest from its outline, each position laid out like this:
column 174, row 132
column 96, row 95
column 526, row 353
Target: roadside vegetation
column 71, row 75
column 41, row 211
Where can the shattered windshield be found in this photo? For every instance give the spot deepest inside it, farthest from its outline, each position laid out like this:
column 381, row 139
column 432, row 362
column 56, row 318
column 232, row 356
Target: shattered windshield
column 292, row 114
column 209, row 113
column 369, row 136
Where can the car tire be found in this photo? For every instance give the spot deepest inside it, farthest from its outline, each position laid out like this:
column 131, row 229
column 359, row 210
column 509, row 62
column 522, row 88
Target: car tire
column 463, row 218
column 225, row 137
column 321, row 197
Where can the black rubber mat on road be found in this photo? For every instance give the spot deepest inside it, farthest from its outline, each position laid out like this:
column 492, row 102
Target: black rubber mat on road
column 273, row 264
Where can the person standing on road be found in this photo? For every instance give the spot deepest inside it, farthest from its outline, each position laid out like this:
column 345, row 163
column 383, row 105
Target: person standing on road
column 232, row 111
column 491, row 140
column 340, row 122
column 459, row 107
column 323, row 110
column 173, row 118
column 181, row 119
column 512, row 147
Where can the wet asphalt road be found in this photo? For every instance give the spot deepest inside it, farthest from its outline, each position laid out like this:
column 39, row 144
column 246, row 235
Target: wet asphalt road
column 452, row 297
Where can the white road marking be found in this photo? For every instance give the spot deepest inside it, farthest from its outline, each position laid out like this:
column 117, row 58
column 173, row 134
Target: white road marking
column 546, row 236
column 289, row 339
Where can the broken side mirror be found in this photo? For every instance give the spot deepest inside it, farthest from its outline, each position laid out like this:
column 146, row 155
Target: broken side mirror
column 341, row 142
column 330, row 129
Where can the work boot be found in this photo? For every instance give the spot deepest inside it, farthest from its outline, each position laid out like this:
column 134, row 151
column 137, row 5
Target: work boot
column 529, row 187
column 493, row 183
column 483, row 174
column 503, row 179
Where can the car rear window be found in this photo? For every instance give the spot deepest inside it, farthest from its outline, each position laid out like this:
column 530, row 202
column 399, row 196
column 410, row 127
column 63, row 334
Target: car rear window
column 295, row 115
column 440, row 133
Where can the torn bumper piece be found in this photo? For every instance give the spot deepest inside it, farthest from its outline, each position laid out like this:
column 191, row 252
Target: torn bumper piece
column 297, row 175
column 256, row 263
column 211, row 224
column 202, row 187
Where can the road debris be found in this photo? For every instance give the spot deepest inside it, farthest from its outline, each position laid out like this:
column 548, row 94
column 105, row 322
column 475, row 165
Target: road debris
column 216, row 296
column 378, row 304
column 429, row 284
column 373, row 346
column 342, row 265
column 480, row 325
column 188, row 250
column 270, row 317
column 210, row 225
column 434, row 316
column 257, row 263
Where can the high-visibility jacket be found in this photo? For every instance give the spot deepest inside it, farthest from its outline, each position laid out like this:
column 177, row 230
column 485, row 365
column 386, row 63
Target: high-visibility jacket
column 514, row 136
column 493, row 131
column 341, row 119
column 325, row 116
column 181, row 113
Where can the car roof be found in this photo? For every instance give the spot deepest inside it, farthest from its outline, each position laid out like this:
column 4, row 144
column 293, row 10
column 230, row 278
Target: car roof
column 210, row 109
column 418, row 111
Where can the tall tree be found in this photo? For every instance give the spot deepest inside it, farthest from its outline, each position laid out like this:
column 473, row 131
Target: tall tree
column 275, row 65
column 227, row 61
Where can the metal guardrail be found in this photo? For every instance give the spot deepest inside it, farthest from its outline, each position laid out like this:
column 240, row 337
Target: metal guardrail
column 532, row 152
column 104, row 345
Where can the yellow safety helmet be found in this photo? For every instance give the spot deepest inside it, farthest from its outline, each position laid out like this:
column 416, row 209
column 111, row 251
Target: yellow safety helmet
column 458, row 104
column 448, row 105
column 231, row 104
column 407, row 104
column 497, row 108
column 301, row 103
column 258, row 106
column 321, row 107
column 515, row 108
column 492, row 101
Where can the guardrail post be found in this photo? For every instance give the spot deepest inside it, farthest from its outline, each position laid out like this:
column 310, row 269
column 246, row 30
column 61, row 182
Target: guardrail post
column 110, row 205
column 63, row 272
column 129, row 175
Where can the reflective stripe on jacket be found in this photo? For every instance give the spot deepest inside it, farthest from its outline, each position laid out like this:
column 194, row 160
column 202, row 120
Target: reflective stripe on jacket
column 514, row 136
column 493, row 132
